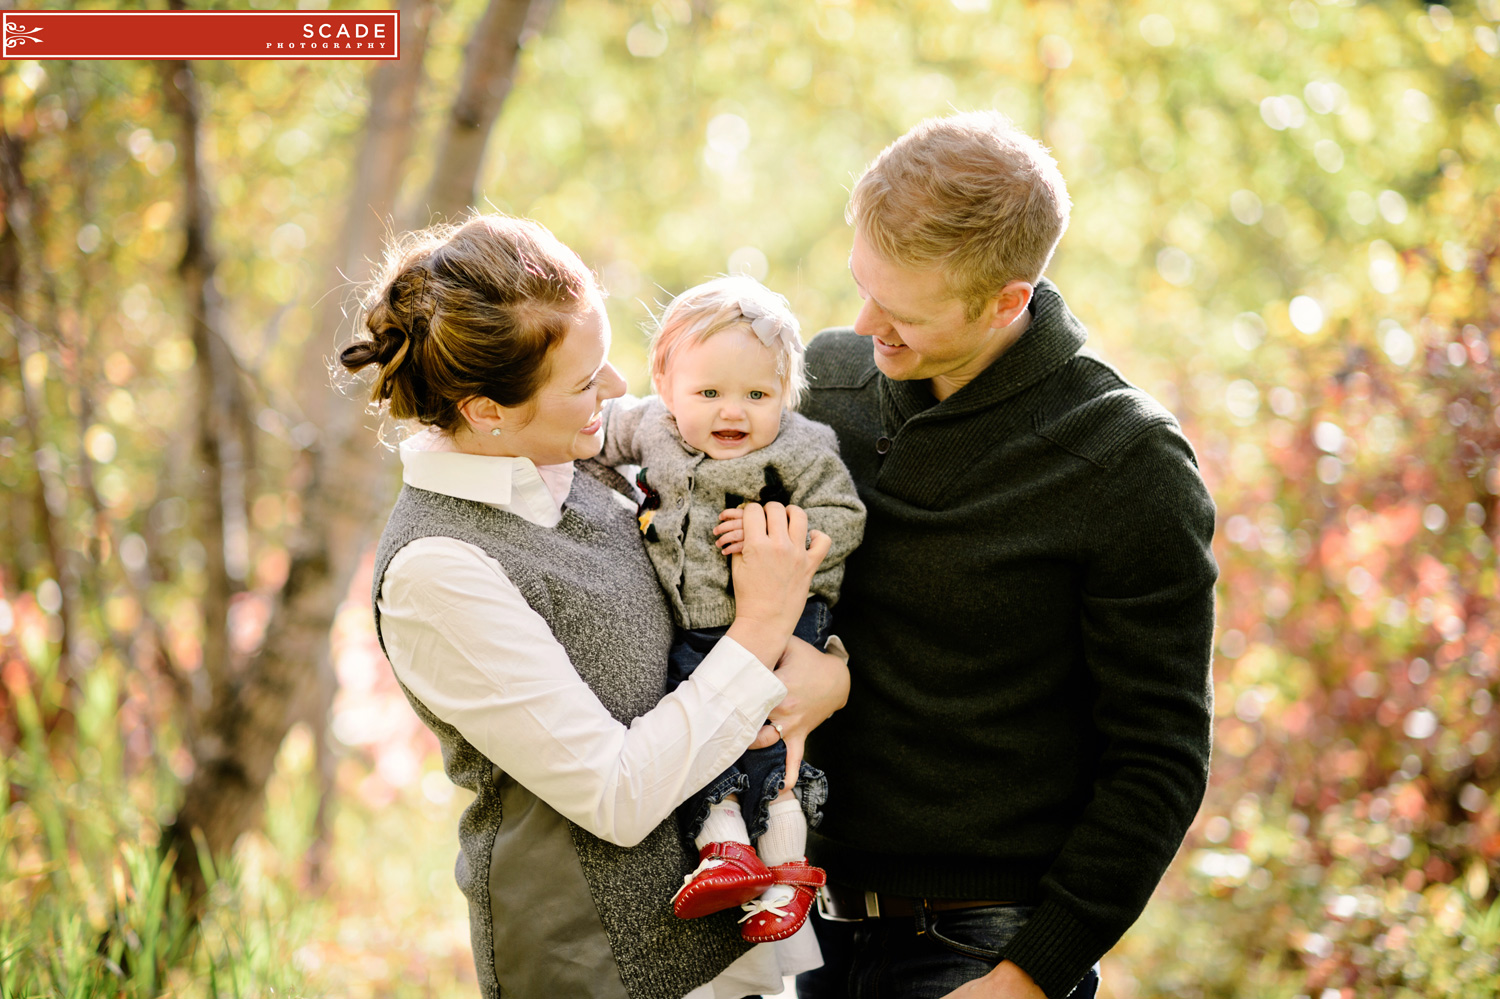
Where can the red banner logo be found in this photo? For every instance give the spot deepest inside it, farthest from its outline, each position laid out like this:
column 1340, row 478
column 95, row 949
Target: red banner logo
column 201, row 34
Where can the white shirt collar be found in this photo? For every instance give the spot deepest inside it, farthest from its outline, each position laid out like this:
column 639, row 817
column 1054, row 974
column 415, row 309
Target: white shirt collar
column 429, row 462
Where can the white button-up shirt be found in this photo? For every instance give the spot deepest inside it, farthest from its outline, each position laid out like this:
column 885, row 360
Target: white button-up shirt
column 514, row 695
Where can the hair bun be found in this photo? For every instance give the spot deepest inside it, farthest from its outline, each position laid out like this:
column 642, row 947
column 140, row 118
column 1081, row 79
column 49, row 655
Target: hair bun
column 358, row 355
column 396, row 321
column 410, row 302
column 495, row 293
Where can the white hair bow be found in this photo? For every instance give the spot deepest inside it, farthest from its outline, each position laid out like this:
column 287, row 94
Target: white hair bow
column 767, row 325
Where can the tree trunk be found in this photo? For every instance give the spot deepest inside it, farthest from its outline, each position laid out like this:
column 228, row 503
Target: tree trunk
column 18, row 243
column 347, row 453
column 489, row 71
column 344, row 485
column 19, row 517
column 389, row 130
column 219, row 449
column 219, row 446
column 345, row 490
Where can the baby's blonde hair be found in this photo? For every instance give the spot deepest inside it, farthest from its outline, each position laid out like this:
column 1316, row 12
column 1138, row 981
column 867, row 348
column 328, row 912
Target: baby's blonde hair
column 732, row 302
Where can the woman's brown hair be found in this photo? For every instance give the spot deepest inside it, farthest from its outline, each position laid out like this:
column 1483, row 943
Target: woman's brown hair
column 467, row 310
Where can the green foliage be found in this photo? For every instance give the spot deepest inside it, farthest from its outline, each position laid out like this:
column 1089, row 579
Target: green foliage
column 87, row 902
column 1284, row 226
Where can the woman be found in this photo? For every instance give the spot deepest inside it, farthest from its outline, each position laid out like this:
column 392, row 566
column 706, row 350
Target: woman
column 515, row 602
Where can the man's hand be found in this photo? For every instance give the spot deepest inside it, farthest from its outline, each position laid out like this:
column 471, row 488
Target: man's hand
column 1007, row 981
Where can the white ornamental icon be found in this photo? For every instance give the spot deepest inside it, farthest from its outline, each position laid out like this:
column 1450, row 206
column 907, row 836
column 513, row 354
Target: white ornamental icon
column 16, row 35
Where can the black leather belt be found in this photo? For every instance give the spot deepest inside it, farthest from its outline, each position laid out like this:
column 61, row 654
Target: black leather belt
column 848, row 905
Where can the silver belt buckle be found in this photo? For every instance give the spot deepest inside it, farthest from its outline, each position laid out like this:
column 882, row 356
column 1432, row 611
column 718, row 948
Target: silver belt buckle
column 825, row 909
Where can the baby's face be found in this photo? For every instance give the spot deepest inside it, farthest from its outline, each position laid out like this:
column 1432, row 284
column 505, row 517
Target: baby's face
column 725, row 394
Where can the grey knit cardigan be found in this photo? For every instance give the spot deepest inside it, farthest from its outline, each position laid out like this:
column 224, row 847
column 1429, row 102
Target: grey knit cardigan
column 693, row 489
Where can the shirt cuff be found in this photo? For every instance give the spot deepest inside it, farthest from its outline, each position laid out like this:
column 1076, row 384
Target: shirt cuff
column 730, row 671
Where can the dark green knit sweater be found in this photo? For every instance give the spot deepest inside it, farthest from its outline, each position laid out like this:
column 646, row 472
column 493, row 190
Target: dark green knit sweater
column 1029, row 622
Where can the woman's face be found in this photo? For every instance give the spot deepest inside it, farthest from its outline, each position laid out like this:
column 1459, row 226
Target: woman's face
column 563, row 422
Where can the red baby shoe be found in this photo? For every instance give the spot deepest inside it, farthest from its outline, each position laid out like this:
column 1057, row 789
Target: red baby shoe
column 764, row 922
column 728, row 874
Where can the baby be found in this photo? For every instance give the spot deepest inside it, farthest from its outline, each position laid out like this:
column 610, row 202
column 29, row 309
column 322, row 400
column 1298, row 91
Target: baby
column 726, row 364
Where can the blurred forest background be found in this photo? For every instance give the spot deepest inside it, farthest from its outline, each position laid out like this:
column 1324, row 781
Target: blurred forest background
column 1285, row 226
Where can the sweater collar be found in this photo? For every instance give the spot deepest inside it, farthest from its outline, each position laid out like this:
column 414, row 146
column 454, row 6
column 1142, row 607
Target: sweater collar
column 1053, row 338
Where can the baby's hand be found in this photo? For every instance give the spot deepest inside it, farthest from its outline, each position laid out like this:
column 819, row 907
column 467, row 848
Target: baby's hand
column 731, row 531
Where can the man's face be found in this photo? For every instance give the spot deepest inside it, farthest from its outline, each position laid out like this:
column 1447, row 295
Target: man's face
column 918, row 325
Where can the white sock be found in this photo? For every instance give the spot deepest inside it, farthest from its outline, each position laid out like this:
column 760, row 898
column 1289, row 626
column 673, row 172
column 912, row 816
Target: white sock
column 784, row 841
column 785, row 838
column 725, row 824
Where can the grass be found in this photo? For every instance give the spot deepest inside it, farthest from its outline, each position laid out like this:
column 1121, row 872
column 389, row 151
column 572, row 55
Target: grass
column 87, row 907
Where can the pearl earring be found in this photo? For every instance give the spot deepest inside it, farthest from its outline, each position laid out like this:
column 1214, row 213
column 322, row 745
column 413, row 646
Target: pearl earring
column 495, row 432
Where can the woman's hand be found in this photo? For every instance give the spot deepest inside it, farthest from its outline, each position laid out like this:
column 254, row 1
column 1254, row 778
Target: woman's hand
column 817, row 685
column 772, row 574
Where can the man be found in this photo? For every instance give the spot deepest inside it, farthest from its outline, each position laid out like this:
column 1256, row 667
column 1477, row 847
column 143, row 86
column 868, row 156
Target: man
column 1030, row 617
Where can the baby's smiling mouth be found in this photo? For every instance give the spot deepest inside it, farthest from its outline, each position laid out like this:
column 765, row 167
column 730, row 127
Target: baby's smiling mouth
column 730, row 436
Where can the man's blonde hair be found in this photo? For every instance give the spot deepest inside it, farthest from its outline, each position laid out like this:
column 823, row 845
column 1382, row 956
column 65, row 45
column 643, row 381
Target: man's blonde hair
column 732, row 302
column 969, row 194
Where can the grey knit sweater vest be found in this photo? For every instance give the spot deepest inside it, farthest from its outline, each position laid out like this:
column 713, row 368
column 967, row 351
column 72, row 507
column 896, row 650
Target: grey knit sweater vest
column 554, row 910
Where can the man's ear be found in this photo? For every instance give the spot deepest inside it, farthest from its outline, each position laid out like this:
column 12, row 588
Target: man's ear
column 1006, row 307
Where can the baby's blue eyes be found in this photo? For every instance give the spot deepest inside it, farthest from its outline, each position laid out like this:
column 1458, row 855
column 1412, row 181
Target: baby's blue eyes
column 754, row 394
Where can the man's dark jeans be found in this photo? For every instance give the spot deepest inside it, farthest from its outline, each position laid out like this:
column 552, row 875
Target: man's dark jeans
column 885, row 957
